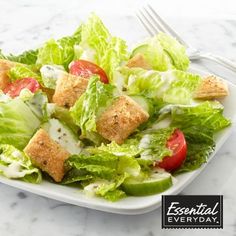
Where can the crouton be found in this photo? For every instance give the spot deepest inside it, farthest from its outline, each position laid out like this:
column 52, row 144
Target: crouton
column 138, row 61
column 119, row 120
column 211, row 87
column 5, row 66
column 47, row 154
column 68, row 89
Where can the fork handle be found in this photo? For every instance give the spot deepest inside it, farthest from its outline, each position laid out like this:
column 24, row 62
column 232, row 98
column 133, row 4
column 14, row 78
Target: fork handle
column 218, row 59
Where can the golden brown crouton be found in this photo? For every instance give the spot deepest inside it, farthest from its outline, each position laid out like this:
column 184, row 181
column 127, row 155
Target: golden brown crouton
column 121, row 119
column 139, row 61
column 5, row 66
column 211, row 87
column 69, row 89
column 47, row 154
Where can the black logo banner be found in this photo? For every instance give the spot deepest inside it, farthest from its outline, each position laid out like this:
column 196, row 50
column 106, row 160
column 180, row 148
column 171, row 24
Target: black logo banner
column 192, row 211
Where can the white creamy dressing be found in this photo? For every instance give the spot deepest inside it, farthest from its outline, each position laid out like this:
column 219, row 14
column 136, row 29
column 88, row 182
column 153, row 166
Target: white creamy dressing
column 88, row 54
column 52, row 72
column 167, row 78
column 63, row 136
column 91, row 189
column 13, row 170
column 145, row 141
column 162, row 124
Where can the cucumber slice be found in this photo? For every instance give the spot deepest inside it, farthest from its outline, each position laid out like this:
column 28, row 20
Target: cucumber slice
column 144, row 103
column 140, row 49
column 156, row 183
column 63, row 135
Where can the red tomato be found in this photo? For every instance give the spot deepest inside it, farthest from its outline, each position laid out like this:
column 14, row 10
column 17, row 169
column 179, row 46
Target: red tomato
column 14, row 89
column 86, row 69
column 177, row 144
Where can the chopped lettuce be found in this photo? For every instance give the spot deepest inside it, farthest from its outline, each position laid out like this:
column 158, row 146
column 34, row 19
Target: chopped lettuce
column 98, row 46
column 16, row 165
column 28, row 57
column 21, row 71
column 17, row 123
column 102, row 172
column 172, row 86
column 182, row 88
column 163, row 52
column 153, row 143
column 129, row 149
column 175, row 51
column 59, row 52
column 37, row 102
column 205, row 115
column 88, row 107
column 199, row 123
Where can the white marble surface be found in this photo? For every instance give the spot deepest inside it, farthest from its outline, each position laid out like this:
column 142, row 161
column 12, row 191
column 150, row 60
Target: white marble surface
column 211, row 26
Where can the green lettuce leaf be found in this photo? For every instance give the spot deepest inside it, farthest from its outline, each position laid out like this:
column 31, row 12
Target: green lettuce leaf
column 28, row 57
column 182, row 88
column 16, row 165
column 153, row 143
column 163, row 52
column 21, row 71
column 115, row 54
column 37, row 103
column 17, row 123
column 175, row 50
column 88, row 107
column 199, row 124
column 129, row 149
column 142, row 82
column 98, row 46
column 172, row 86
column 107, row 189
column 59, row 52
column 205, row 115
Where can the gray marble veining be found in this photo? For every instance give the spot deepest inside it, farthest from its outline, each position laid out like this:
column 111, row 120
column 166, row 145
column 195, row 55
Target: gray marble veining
column 26, row 24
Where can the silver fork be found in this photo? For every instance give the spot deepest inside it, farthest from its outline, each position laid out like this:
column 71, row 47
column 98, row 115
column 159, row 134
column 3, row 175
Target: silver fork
column 153, row 23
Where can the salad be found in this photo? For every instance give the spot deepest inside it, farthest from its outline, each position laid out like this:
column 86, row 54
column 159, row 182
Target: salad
column 87, row 111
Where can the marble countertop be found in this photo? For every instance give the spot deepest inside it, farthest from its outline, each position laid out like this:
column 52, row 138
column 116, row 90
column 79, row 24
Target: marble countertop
column 25, row 24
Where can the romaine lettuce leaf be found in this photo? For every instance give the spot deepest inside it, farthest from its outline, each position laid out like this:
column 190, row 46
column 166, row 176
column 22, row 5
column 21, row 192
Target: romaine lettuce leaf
column 59, row 52
column 17, row 123
column 88, row 107
column 153, row 143
column 175, row 50
column 199, row 123
column 181, row 88
column 163, row 52
column 98, row 46
column 21, row 71
column 115, row 54
column 28, row 57
column 172, row 86
column 16, row 165
column 37, row 103
column 129, row 149
column 205, row 114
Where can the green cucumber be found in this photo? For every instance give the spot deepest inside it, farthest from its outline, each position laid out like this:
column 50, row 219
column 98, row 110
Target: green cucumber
column 60, row 133
column 156, row 183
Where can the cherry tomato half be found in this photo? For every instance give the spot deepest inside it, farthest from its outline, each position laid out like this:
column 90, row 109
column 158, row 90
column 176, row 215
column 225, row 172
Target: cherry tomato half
column 14, row 89
column 177, row 144
column 86, row 69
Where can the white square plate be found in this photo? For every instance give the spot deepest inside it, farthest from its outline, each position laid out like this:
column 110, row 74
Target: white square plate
column 129, row 205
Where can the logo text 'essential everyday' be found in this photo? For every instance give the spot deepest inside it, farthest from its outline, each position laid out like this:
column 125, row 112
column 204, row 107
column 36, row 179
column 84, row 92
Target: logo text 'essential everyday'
column 192, row 211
